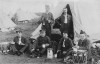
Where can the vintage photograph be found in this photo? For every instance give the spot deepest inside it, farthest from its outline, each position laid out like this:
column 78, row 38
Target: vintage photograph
column 49, row 32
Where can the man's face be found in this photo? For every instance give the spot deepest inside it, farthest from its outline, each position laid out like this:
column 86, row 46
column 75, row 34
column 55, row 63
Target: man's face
column 47, row 7
column 65, row 35
column 19, row 34
column 65, row 11
column 83, row 36
column 42, row 34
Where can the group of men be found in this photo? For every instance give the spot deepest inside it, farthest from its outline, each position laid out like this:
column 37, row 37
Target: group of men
column 43, row 42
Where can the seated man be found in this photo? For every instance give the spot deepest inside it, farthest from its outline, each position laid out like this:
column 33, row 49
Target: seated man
column 64, row 45
column 84, row 44
column 42, row 43
column 21, row 44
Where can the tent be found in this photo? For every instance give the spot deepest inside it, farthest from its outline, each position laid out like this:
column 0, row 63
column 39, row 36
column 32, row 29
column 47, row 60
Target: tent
column 22, row 15
column 85, row 12
column 6, row 23
column 85, row 15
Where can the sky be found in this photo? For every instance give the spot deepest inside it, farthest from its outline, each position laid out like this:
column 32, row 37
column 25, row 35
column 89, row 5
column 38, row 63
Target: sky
column 30, row 5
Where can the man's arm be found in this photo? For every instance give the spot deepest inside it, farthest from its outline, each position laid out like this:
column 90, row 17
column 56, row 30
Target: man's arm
column 69, row 17
column 41, row 19
column 58, row 20
column 59, row 45
column 52, row 19
column 26, row 44
column 79, row 42
column 88, row 44
column 71, row 42
column 48, row 39
column 37, row 43
column 15, row 40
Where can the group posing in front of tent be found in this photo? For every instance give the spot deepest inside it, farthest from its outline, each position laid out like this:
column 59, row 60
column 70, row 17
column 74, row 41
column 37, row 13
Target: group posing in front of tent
column 38, row 47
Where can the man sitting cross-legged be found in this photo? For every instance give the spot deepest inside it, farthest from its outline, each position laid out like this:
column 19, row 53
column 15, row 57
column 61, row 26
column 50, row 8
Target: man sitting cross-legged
column 64, row 45
column 21, row 44
column 42, row 43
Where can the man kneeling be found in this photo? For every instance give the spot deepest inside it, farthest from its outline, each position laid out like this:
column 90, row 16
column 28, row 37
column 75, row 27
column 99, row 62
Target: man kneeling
column 42, row 43
column 21, row 44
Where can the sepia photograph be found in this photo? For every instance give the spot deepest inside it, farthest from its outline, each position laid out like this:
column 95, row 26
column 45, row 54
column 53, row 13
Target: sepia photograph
column 49, row 32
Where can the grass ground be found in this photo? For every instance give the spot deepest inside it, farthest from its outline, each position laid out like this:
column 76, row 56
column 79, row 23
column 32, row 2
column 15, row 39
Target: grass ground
column 23, row 59
column 27, row 28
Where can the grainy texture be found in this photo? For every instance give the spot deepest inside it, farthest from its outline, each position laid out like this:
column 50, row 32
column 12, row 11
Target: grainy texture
column 23, row 59
column 13, row 59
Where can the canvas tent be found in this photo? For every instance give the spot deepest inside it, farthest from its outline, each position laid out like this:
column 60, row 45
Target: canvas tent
column 22, row 15
column 85, row 15
column 5, row 22
column 85, row 12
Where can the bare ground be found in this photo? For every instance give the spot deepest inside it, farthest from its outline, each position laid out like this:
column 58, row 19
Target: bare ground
column 23, row 59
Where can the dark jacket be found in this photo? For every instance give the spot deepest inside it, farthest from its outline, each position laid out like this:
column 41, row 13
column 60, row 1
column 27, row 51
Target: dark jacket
column 23, row 40
column 61, row 19
column 64, row 26
column 42, row 40
column 48, row 16
column 68, row 44
column 84, row 43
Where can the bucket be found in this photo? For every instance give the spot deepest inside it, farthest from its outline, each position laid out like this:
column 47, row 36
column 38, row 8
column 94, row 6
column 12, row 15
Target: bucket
column 50, row 53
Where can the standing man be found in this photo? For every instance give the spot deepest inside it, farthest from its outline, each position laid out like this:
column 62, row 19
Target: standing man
column 21, row 44
column 65, row 44
column 47, row 20
column 64, row 21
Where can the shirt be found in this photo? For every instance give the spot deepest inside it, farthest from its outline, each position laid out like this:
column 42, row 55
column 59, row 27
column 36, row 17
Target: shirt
column 63, row 43
column 19, row 41
column 65, row 19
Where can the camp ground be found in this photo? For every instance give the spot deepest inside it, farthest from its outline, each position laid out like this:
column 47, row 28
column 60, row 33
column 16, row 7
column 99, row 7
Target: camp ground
column 25, row 14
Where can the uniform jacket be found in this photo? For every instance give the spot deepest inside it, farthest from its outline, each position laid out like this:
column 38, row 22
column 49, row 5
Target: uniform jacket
column 48, row 16
column 23, row 40
column 42, row 40
column 61, row 19
column 68, row 43
column 84, row 43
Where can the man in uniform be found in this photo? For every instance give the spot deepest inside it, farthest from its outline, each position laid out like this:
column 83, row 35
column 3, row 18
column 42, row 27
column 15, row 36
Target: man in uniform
column 64, row 21
column 42, row 43
column 47, row 20
column 64, row 45
column 84, row 44
column 21, row 44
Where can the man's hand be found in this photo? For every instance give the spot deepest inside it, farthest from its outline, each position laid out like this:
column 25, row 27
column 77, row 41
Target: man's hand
column 32, row 50
column 64, row 52
column 21, row 44
column 55, row 55
column 49, row 21
column 58, row 51
column 43, row 45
